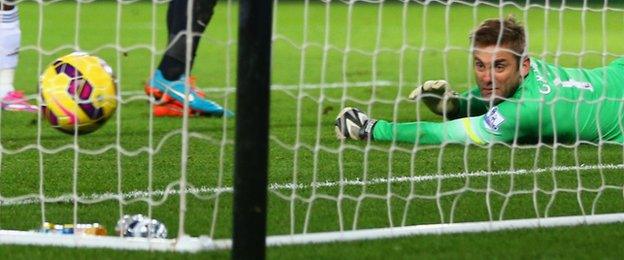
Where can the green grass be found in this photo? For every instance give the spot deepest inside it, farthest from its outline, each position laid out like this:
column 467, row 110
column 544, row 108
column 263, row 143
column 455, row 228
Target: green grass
column 115, row 159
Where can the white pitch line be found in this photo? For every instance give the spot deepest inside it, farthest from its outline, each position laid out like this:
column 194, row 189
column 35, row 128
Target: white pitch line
column 67, row 198
column 380, row 83
column 274, row 87
column 230, row 89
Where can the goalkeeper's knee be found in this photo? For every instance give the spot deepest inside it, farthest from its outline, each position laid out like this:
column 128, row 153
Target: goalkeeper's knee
column 352, row 123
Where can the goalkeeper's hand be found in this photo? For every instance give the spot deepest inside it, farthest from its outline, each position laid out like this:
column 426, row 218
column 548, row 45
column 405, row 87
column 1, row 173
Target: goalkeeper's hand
column 438, row 97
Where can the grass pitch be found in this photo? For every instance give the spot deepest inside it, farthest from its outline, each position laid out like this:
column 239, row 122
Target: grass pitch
column 365, row 56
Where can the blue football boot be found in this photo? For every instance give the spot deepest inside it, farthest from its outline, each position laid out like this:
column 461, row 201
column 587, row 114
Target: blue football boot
column 160, row 88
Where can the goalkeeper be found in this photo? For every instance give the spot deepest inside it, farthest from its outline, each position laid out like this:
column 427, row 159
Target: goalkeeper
column 517, row 99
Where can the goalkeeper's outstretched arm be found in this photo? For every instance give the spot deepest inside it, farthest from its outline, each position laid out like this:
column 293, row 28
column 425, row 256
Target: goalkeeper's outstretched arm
column 455, row 131
column 352, row 123
column 503, row 123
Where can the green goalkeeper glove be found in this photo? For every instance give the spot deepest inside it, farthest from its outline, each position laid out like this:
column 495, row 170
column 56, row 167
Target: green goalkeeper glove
column 438, row 97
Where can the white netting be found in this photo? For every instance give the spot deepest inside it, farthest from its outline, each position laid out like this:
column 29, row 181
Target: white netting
column 395, row 46
column 137, row 163
column 326, row 55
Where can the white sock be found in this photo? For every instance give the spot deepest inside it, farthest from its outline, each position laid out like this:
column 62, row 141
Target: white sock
column 10, row 34
column 6, row 82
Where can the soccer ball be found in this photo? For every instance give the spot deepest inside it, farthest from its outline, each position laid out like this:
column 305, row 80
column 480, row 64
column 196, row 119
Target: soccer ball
column 78, row 93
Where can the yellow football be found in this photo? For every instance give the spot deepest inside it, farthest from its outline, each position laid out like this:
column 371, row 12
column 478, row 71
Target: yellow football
column 78, row 93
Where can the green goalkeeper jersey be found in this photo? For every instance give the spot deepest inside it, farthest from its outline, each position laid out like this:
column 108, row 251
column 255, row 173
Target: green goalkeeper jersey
column 553, row 104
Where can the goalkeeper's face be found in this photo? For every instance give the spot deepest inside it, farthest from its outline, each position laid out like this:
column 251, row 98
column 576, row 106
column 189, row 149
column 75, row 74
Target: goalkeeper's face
column 498, row 72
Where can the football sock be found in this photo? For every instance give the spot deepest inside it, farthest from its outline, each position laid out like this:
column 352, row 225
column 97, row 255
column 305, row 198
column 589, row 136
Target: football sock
column 6, row 82
column 10, row 35
column 173, row 63
column 171, row 68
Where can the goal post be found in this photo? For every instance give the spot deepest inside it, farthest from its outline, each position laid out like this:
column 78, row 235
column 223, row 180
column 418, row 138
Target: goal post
column 252, row 129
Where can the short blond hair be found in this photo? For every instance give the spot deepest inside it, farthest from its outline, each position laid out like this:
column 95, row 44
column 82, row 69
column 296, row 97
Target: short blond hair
column 512, row 36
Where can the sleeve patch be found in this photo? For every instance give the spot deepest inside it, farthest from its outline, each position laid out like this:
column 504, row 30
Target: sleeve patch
column 493, row 120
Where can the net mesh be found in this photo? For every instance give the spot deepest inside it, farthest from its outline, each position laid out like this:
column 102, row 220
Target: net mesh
column 326, row 55
column 378, row 52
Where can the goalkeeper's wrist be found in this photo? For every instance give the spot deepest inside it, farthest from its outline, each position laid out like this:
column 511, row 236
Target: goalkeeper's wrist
column 452, row 108
column 449, row 107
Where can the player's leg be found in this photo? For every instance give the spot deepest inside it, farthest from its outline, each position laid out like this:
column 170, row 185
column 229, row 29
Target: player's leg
column 173, row 63
column 170, row 79
column 9, row 45
column 10, row 36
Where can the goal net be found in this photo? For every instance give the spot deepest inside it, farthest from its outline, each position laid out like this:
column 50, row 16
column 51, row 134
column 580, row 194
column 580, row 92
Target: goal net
column 326, row 55
column 371, row 55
